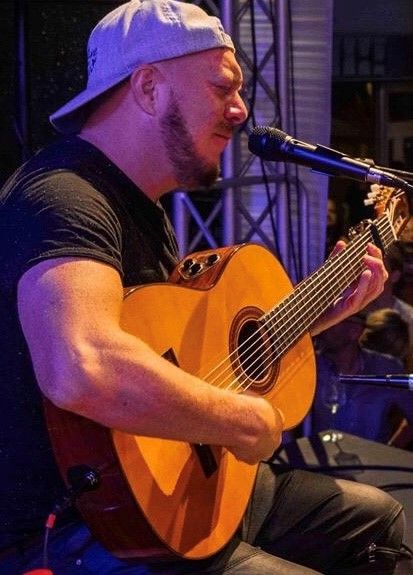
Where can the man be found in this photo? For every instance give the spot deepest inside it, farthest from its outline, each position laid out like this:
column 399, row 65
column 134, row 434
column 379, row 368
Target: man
column 83, row 222
column 395, row 261
column 345, row 349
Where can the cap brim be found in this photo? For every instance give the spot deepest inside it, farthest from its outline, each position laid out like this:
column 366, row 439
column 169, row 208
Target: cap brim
column 69, row 118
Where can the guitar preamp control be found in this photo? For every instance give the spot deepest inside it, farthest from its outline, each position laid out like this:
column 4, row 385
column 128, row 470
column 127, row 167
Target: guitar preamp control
column 194, row 266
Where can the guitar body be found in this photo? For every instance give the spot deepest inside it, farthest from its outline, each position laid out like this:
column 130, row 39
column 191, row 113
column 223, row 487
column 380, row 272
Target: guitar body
column 164, row 497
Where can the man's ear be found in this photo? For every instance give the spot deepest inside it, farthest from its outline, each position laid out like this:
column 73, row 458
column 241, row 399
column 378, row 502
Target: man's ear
column 144, row 82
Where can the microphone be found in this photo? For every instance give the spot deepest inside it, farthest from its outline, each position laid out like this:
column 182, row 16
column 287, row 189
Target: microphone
column 272, row 144
column 400, row 381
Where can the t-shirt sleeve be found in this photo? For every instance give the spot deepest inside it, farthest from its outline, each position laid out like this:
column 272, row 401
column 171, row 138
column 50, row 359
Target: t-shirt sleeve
column 62, row 215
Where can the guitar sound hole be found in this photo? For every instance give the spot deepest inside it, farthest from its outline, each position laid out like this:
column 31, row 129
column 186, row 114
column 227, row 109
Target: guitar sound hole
column 254, row 353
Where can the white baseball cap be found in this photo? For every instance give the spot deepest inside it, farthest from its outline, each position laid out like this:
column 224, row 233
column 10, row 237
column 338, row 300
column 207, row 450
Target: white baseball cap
column 135, row 33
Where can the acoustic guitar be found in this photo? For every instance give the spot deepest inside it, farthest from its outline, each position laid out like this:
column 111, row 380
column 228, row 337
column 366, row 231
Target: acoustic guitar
column 232, row 317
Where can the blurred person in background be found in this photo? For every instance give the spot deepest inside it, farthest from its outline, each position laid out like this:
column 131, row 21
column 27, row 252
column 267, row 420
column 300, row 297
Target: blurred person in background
column 359, row 409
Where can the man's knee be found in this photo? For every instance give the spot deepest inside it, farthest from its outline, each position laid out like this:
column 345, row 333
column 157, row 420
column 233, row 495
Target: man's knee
column 378, row 529
column 370, row 502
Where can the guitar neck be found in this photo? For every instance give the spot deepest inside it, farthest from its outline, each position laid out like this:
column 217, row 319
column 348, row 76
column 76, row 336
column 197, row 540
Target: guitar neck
column 294, row 316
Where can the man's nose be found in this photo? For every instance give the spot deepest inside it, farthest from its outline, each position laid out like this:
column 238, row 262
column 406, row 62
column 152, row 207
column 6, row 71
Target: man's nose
column 236, row 111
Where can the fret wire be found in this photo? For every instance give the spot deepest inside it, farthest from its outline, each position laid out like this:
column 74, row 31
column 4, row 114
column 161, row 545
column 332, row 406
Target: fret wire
column 353, row 275
column 342, row 275
column 346, row 271
column 280, row 349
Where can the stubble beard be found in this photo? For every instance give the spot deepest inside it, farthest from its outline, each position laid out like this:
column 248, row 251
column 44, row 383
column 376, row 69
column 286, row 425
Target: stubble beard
column 191, row 171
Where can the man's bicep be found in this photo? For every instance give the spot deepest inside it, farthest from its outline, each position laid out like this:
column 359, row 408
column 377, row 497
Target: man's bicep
column 62, row 291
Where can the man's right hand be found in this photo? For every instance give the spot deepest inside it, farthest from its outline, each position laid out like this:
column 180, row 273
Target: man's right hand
column 268, row 436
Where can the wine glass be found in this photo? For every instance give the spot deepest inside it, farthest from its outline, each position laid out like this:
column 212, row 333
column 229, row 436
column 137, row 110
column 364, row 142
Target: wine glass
column 334, row 397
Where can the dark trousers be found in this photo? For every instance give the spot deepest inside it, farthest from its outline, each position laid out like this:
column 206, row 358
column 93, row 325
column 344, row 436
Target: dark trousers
column 297, row 523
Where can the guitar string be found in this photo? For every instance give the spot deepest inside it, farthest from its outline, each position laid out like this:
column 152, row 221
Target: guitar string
column 282, row 341
column 287, row 341
column 387, row 238
column 361, row 241
column 271, row 314
column 271, row 317
column 262, row 362
column 260, row 366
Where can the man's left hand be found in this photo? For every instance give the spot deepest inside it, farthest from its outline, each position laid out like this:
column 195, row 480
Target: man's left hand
column 368, row 286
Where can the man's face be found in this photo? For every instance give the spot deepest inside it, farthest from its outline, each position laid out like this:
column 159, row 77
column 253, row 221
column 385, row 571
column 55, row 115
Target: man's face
column 191, row 170
column 203, row 109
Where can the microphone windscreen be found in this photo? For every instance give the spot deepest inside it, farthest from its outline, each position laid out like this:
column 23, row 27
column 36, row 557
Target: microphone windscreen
column 266, row 142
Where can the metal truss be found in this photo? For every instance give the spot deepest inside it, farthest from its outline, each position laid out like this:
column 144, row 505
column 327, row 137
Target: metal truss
column 284, row 48
column 229, row 219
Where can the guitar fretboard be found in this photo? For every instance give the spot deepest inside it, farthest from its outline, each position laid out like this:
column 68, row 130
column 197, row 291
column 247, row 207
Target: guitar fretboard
column 294, row 315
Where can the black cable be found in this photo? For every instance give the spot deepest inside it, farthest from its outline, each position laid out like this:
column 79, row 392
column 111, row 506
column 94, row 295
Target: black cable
column 81, row 478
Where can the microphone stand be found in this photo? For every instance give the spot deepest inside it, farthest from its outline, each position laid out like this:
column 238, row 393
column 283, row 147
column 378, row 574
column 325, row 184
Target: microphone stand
column 408, row 176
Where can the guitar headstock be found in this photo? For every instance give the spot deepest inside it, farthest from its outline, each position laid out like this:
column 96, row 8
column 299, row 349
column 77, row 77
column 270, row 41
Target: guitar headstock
column 392, row 201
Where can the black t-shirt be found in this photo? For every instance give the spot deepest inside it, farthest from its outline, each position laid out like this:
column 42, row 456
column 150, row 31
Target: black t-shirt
column 68, row 200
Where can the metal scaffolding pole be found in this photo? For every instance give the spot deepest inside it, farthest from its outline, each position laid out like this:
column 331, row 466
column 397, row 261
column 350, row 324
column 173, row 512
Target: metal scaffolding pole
column 283, row 64
column 228, row 158
column 283, row 48
column 21, row 123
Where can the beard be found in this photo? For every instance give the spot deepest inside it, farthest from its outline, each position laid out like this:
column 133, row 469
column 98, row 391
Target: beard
column 191, row 170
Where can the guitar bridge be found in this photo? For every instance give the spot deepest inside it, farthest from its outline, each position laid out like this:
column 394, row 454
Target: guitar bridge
column 206, row 459
column 204, row 452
